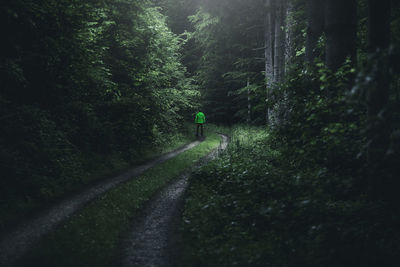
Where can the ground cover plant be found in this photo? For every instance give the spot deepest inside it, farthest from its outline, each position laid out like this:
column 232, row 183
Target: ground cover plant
column 258, row 205
column 91, row 237
column 83, row 87
column 89, row 87
column 91, row 168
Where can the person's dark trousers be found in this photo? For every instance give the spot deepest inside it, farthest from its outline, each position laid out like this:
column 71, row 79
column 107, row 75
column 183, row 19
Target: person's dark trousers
column 199, row 125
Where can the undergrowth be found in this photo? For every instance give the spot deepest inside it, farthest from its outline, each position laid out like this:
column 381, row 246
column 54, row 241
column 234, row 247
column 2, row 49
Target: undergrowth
column 261, row 204
column 70, row 173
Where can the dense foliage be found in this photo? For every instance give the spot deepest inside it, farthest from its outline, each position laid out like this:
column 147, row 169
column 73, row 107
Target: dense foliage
column 230, row 75
column 264, row 204
column 84, row 84
column 318, row 187
column 88, row 86
column 220, row 55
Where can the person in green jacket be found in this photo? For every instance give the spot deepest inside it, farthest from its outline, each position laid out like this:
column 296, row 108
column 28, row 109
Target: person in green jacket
column 200, row 119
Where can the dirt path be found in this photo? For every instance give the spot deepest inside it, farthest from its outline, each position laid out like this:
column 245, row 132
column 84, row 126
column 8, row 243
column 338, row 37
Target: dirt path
column 152, row 240
column 14, row 244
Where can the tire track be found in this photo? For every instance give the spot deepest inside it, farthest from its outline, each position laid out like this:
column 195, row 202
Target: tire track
column 151, row 241
column 16, row 243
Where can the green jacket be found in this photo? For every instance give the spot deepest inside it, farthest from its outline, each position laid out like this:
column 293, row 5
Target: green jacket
column 200, row 118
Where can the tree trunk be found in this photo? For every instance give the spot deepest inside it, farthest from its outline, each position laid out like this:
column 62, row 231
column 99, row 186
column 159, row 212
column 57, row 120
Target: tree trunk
column 379, row 25
column 279, row 57
column 378, row 93
column 315, row 27
column 248, row 101
column 280, row 41
column 290, row 46
column 378, row 39
column 269, row 38
column 340, row 29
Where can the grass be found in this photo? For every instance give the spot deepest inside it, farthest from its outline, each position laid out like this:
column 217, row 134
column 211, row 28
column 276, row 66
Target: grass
column 94, row 167
column 220, row 201
column 101, row 167
column 91, row 237
column 262, row 204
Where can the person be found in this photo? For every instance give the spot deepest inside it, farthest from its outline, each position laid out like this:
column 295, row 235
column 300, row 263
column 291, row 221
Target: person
column 200, row 119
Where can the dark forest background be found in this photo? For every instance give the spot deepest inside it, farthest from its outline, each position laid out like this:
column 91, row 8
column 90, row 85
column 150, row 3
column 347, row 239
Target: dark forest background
column 91, row 83
column 85, row 85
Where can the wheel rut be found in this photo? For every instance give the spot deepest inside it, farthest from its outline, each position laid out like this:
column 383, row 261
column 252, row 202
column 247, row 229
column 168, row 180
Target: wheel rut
column 18, row 241
column 152, row 240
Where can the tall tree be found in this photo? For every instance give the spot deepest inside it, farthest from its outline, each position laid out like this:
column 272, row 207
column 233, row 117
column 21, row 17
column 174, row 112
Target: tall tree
column 269, row 41
column 340, row 29
column 315, row 26
column 275, row 47
column 226, row 33
column 280, row 41
column 379, row 24
column 378, row 91
column 76, row 74
column 290, row 47
column 269, row 37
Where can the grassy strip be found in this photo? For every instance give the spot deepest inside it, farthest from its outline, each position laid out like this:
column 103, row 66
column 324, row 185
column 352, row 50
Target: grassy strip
column 105, row 166
column 91, row 236
column 93, row 167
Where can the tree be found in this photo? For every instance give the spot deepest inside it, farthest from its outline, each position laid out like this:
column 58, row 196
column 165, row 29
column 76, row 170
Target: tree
column 82, row 78
column 315, row 26
column 269, row 36
column 340, row 30
column 378, row 90
column 269, row 41
column 275, row 48
column 280, row 41
column 227, row 37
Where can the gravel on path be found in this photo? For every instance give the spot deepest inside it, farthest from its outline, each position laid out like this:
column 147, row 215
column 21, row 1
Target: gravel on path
column 16, row 243
column 152, row 240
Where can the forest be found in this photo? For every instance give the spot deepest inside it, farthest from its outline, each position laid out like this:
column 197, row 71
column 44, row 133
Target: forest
column 308, row 92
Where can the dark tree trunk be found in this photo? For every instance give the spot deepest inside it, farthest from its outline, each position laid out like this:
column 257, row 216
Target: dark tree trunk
column 248, row 101
column 340, row 29
column 269, row 48
column 315, row 26
column 280, row 41
column 279, row 56
column 269, row 40
column 378, row 39
column 379, row 24
column 378, row 92
column 290, row 49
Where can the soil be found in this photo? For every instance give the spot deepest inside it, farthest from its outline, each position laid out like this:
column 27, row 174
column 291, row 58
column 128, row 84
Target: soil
column 153, row 238
column 18, row 241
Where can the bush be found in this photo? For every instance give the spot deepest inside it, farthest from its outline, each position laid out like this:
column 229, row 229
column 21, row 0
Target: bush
column 260, row 206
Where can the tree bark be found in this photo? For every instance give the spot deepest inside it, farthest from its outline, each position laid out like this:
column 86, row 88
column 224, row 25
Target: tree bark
column 269, row 38
column 379, row 24
column 279, row 58
column 248, row 101
column 290, row 51
column 378, row 39
column 378, row 93
column 315, row 26
column 280, row 41
column 340, row 29
column 269, row 41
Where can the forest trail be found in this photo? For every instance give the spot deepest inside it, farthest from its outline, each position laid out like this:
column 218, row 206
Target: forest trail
column 153, row 239
column 17, row 242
